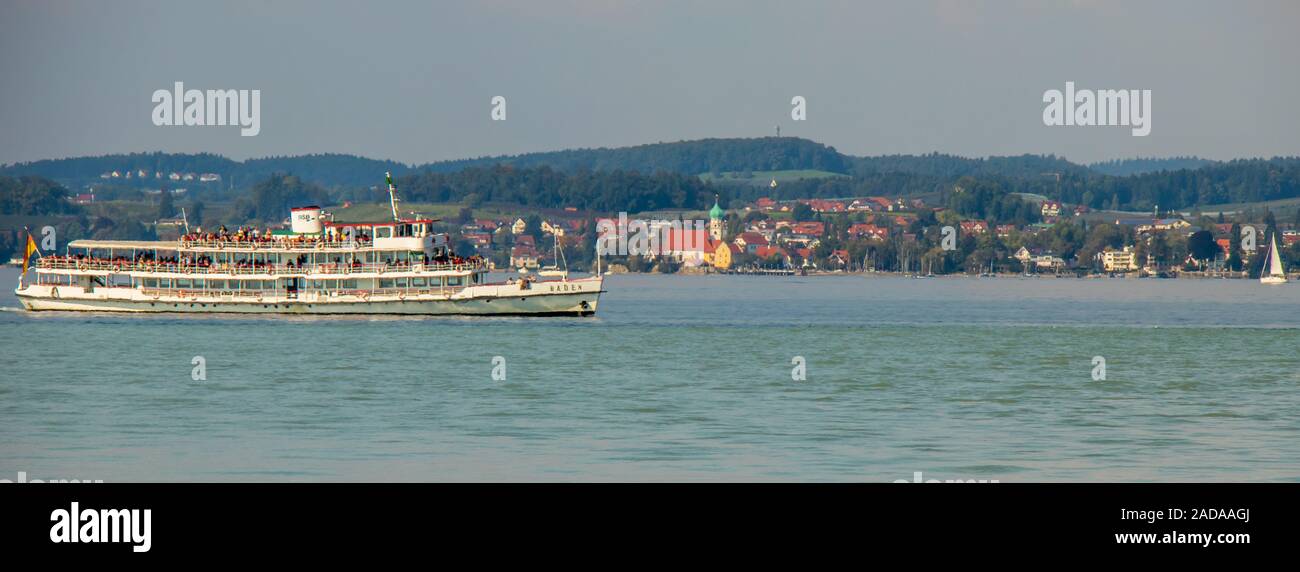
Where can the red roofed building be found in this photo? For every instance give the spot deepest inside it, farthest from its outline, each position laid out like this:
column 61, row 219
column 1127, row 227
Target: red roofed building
column 881, row 203
column 750, row 241
column 868, row 230
column 687, row 246
column 480, row 240
column 814, row 229
column 974, row 227
column 825, row 206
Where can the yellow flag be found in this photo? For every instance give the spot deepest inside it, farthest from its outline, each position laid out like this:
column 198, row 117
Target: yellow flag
column 31, row 248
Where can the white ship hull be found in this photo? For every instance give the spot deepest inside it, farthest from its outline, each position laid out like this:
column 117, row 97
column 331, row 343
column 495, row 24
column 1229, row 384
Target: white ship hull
column 550, row 298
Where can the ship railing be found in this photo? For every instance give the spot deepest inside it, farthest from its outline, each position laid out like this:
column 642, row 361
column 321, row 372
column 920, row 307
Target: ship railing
column 191, row 293
column 262, row 244
column 184, row 268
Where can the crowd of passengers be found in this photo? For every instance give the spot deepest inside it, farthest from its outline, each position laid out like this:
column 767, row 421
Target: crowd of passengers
column 250, row 235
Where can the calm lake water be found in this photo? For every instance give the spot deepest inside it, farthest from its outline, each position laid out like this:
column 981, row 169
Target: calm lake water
column 680, row 378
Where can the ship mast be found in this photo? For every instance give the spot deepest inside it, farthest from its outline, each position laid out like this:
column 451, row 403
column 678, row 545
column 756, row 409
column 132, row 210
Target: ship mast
column 392, row 195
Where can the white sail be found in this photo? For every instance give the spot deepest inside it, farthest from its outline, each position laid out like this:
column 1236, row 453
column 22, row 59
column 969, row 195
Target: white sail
column 1275, row 273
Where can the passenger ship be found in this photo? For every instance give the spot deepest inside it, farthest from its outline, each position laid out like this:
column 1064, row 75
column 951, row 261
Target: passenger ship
column 316, row 267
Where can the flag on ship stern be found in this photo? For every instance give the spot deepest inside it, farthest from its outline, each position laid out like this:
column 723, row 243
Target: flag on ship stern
column 27, row 253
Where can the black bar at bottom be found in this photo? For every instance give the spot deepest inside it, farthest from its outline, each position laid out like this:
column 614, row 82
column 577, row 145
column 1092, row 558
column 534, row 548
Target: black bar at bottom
column 322, row 521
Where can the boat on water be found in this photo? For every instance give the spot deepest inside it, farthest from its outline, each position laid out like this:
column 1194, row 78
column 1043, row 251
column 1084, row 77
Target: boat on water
column 1273, row 272
column 315, row 267
column 559, row 266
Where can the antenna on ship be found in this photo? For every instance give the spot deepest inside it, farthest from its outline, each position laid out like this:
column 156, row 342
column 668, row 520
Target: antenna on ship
column 392, row 194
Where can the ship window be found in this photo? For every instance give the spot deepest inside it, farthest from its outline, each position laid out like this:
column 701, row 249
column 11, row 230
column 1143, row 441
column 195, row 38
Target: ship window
column 454, row 281
column 386, row 283
column 317, row 284
column 198, row 283
column 418, row 282
column 164, row 282
column 349, row 284
column 150, row 282
column 383, row 231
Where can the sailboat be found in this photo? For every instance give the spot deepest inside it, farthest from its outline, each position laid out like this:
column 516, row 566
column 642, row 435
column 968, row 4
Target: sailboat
column 1273, row 274
column 554, row 269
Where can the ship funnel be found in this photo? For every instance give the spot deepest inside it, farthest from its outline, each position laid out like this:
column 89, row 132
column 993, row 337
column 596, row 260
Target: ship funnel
column 306, row 220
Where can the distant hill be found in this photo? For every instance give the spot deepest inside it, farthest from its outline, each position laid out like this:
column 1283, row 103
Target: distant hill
column 765, row 178
column 1138, row 166
column 331, row 170
column 952, row 166
column 711, row 158
column 806, row 169
column 685, row 157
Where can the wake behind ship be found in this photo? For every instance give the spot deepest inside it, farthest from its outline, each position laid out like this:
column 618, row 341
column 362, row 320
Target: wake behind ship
column 316, row 267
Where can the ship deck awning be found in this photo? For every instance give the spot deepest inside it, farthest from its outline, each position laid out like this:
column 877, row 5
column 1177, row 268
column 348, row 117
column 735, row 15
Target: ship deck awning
column 126, row 244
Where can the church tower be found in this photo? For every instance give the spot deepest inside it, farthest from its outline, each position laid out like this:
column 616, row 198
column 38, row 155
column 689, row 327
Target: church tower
column 717, row 221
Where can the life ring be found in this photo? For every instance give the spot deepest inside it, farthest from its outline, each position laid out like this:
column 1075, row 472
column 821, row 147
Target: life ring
column 81, row 266
column 364, row 295
column 270, row 269
column 117, row 267
column 54, row 291
column 182, row 294
column 259, row 297
column 320, row 246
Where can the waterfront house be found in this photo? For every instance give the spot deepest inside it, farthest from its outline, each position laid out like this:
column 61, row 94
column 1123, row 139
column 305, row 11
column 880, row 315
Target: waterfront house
column 1118, row 260
column 750, row 241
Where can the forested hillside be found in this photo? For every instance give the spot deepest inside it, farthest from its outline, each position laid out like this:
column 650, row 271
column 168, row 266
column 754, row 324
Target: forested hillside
column 1138, row 166
column 666, row 174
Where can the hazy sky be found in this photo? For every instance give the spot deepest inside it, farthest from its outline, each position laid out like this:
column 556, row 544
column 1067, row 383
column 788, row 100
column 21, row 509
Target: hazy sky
column 413, row 81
